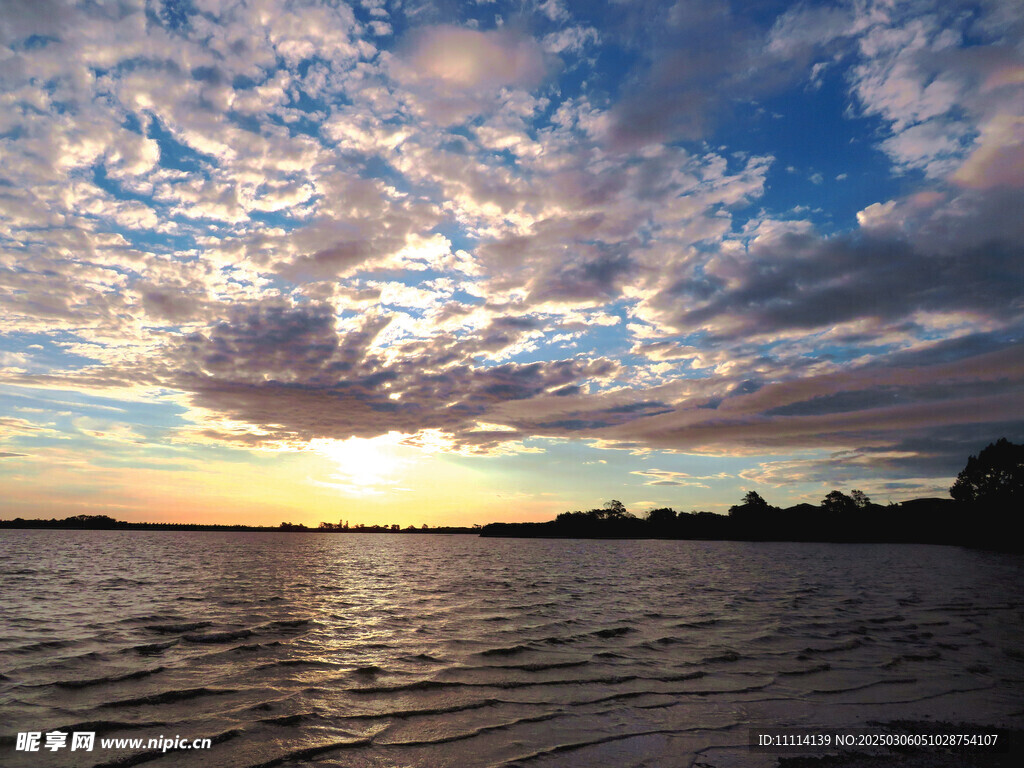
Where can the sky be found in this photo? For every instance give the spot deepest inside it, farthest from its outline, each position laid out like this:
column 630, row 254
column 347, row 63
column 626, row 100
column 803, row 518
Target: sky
column 461, row 262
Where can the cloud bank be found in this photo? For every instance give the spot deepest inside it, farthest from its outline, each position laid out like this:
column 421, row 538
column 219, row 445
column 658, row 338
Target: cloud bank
column 315, row 221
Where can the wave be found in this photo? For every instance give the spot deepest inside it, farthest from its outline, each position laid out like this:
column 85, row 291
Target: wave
column 370, row 670
column 730, row 691
column 916, row 637
column 809, row 671
column 865, row 686
column 613, row 632
column 540, row 666
column 150, row 649
column 218, row 637
column 65, row 663
column 604, row 634
column 473, row 733
column 152, row 617
column 849, row 645
column 427, row 711
column 175, row 629
column 44, row 645
column 119, row 582
column 419, row 685
column 681, row 676
column 700, row 624
column 290, row 720
column 898, row 660
column 510, row 651
column 423, row 657
column 728, row 656
column 251, row 647
column 168, row 697
column 571, row 747
column 307, row 663
column 433, row 685
column 670, row 640
column 108, row 678
column 304, row 755
column 621, row 696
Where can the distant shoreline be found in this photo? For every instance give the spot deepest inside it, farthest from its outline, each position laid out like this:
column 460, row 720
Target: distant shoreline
column 923, row 521
column 109, row 524
column 839, row 519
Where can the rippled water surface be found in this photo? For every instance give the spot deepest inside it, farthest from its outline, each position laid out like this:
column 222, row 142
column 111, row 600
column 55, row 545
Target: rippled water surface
column 426, row 650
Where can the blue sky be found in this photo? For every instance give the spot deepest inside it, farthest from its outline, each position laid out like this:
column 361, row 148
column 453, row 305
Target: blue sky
column 455, row 263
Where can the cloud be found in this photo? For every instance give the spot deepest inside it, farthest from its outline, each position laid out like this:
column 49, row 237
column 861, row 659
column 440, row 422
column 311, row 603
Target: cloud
column 960, row 257
column 11, row 426
column 952, row 109
column 804, row 28
column 468, row 59
column 920, row 464
column 681, row 479
column 455, row 72
column 998, row 160
column 293, row 375
column 700, row 60
column 309, row 226
column 885, row 411
column 695, row 59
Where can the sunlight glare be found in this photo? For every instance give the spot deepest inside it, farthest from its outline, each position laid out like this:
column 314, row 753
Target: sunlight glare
column 366, row 466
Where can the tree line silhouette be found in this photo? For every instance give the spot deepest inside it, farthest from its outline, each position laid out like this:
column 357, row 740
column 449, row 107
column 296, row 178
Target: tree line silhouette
column 986, row 498
column 107, row 523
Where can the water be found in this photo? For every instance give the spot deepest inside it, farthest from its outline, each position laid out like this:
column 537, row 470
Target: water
column 388, row 651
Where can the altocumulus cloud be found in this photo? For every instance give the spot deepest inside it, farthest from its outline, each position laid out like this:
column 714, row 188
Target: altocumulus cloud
column 505, row 222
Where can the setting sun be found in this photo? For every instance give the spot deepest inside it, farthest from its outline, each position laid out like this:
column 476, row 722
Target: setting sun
column 367, row 466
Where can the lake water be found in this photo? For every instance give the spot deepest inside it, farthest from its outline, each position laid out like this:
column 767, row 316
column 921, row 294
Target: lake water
column 400, row 651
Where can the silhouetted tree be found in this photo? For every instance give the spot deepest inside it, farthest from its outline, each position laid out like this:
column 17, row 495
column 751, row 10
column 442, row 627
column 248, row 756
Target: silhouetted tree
column 994, row 477
column 752, row 503
column 860, row 499
column 754, row 499
column 838, row 503
column 614, row 510
column 571, row 517
column 661, row 517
